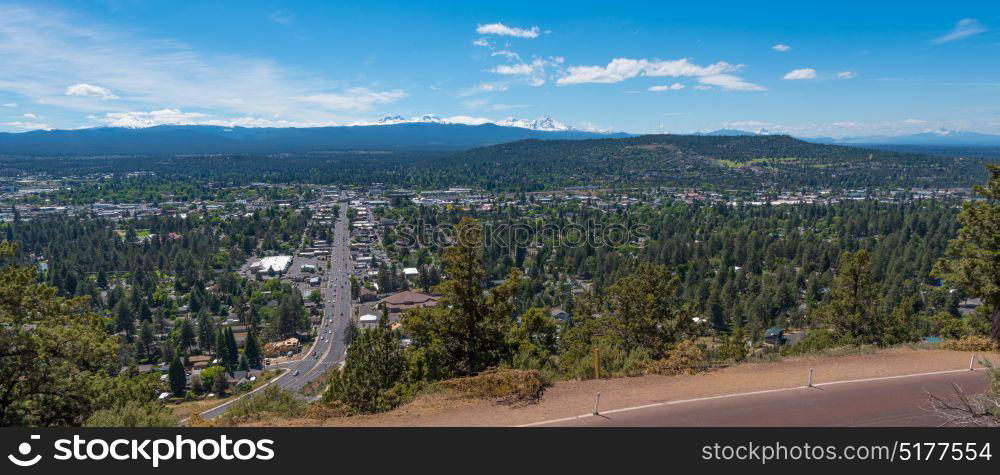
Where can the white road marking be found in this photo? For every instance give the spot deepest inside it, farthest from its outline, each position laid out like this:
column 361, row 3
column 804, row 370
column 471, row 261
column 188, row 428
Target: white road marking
column 726, row 396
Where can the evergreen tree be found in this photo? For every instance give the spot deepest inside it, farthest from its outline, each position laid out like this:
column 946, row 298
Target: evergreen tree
column 466, row 330
column 372, row 370
column 252, row 351
column 146, row 339
column 854, row 309
column 222, row 349
column 206, row 332
column 232, row 348
column 124, row 322
column 177, row 377
column 186, row 337
column 973, row 257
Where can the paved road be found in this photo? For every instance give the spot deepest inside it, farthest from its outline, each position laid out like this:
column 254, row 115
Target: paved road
column 329, row 346
column 900, row 401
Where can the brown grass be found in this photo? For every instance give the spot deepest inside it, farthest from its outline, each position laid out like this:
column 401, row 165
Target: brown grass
column 508, row 387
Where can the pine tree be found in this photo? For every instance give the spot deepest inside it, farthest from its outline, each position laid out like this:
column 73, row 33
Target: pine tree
column 854, row 309
column 373, row 368
column 124, row 322
column 221, row 348
column 146, row 339
column 232, row 348
column 206, row 332
column 973, row 257
column 177, row 377
column 186, row 335
column 252, row 351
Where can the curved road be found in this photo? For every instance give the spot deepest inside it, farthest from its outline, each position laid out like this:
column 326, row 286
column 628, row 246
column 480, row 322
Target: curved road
column 328, row 347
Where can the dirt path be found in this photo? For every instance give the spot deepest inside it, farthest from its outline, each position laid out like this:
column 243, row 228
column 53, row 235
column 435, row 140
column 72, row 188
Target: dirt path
column 571, row 398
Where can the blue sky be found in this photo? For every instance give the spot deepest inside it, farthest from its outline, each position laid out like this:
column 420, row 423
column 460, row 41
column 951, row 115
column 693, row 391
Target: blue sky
column 847, row 69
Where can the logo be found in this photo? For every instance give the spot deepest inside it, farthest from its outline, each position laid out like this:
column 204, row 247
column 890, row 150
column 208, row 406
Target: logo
column 25, row 449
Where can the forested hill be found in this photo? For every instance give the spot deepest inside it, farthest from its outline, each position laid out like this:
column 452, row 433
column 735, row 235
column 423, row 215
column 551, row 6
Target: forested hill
column 689, row 160
column 720, row 162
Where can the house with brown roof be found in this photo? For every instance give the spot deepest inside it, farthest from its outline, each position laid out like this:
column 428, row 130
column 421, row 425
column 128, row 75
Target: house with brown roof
column 400, row 302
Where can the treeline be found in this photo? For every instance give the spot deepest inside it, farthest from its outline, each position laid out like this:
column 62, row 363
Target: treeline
column 751, row 267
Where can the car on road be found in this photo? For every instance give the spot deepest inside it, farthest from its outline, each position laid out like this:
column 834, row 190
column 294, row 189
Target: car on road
column 295, row 373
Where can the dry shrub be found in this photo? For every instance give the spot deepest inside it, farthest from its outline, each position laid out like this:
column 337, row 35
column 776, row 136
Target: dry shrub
column 971, row 343
column 195, row 420
column 688, row 357
column 509, row 387
column 327, row 410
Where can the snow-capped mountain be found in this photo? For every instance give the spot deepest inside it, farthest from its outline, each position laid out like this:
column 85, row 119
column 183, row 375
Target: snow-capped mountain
column 398, row 119
column 544, row 123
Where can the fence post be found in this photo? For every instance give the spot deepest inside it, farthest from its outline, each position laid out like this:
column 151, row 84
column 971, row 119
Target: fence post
column 597, row 403
column 972, row 362
column 810, row 377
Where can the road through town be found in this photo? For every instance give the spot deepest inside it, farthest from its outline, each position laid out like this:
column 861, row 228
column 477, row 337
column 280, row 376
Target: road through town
column 329, row 347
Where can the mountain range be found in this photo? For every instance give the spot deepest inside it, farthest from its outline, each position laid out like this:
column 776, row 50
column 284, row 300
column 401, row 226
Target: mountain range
column 427, row 132
column 939, row 137
column 544, row 123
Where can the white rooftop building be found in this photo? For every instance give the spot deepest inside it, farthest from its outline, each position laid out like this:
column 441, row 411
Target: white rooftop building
column 278, row 264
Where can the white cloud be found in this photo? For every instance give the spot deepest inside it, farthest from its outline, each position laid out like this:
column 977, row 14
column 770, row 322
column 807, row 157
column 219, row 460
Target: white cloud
column 728, row 82
column 506, row 54
column 140, row 119
column 87, row 90
column 702, row 87
column 10, row 104
column 621, row 69
column 43, row 51
column 804, row 73
column 534, row 72
column 912, row 121
column 847, row 75
column 504, row 30
column 483, row 88
column 481, row 42
column 354, row 99
column 151, row 118
column 521, row 69
column 468, row 120
column 30, row 116
column 965, row 28
column 589, row 127
column 673, row 87
column 781, row 47
column 505, row 107
column 751, row 124
column 281, row 17
column 27, row 125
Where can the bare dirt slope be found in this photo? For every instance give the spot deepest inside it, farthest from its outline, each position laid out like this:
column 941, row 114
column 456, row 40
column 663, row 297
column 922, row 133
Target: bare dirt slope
column 572, row 398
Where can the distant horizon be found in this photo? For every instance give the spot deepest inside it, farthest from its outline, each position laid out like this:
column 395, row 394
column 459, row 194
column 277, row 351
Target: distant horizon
column 807, row 71
column 758, row 132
